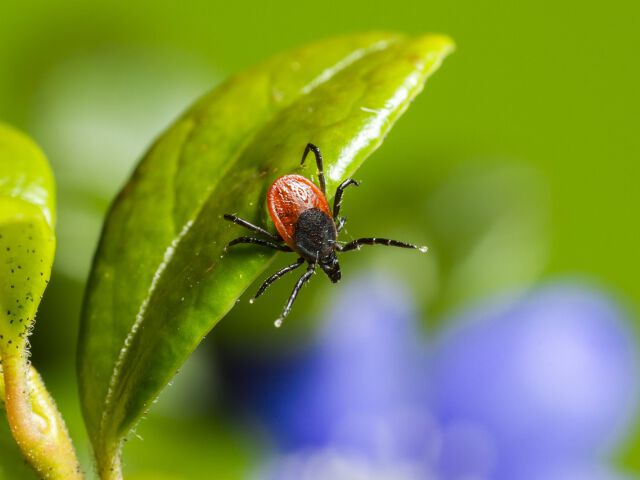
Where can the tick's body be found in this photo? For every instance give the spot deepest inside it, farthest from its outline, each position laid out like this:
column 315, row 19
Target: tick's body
column 302, row 217
column 306, row 225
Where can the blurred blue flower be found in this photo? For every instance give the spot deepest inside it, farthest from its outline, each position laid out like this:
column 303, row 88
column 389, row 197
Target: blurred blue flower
column 550, row 378
column 538, row 387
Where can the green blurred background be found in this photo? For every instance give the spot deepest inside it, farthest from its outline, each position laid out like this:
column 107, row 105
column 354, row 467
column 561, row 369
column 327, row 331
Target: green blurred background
column 518, row 162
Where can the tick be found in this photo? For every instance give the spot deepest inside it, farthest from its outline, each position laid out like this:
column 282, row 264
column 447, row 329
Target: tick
column 306, row 225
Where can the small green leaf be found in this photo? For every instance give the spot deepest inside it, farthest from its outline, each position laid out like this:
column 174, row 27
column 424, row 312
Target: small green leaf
column 27, row 247
column 27, row 241
column 160, row 280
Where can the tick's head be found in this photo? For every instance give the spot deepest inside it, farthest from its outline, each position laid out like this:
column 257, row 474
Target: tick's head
column 331, row 267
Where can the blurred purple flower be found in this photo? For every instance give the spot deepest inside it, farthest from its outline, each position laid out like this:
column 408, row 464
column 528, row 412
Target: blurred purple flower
column 551, row 378
column 539, row 387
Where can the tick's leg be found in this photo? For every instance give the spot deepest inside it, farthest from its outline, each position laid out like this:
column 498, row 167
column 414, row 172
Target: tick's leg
column 250, row 226
column 356, row 244
column 276, row 276
column 337, row 200
column 258, row 241
column 303, row 279
column 340, row 221
column 316, row 151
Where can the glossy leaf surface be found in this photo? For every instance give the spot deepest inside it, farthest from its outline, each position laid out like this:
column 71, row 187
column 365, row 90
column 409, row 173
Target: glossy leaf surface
column 160, row 279
column 27, row 241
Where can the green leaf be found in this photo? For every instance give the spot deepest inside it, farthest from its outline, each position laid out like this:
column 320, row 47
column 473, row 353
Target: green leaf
column 160, row 280
column 27, row 241
column 27, row 247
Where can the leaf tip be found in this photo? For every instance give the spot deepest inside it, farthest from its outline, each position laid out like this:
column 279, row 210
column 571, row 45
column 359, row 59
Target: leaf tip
column 439, row 42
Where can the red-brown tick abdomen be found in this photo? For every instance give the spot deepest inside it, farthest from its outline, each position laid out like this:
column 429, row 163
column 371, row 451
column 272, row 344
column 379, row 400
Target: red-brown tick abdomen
column 287, row 198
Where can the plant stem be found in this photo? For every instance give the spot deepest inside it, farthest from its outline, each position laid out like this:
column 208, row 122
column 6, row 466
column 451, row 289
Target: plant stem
column 111, row 469
column 36, row 423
